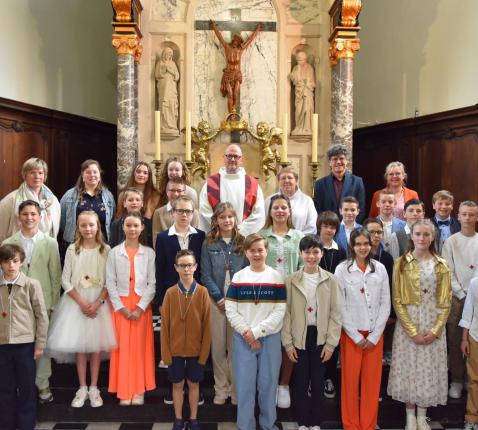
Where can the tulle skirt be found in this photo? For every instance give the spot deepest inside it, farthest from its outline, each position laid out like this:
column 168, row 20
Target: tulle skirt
column 71, row 331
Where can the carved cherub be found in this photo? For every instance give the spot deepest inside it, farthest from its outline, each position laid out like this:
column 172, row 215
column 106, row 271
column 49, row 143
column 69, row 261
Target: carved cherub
column 268, row 137
column 200, row 137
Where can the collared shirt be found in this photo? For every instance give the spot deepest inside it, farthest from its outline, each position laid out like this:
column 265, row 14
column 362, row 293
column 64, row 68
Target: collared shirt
column 332, row 246
column 338, row 186
column 387, row 229
column 28, row 244
column 183, row 240
column 444, row 229
column 366, row 298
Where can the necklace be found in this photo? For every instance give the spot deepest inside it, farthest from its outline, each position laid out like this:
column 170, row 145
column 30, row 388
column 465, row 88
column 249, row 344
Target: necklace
column 258, row 295
column 188, row 301
column 4, row 311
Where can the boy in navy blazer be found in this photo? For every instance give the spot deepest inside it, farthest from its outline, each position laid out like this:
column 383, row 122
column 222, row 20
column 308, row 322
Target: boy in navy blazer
column 329, row 190
column 442, row 202
column 181, row 235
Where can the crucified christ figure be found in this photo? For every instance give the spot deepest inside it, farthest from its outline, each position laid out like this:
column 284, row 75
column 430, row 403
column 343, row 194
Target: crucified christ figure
column 232, row 76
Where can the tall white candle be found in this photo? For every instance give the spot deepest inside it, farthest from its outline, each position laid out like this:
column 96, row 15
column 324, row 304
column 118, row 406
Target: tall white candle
column 157, row 135
column 285, row 134
column 315, row 136
column 188, row 136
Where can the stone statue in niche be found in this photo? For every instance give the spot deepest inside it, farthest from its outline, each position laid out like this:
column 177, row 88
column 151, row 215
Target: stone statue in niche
column 303, row 79
column 232, row 76
column 167, row 76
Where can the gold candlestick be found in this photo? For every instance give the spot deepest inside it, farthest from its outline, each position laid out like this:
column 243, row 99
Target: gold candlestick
column 315, row 173
column 157, row 171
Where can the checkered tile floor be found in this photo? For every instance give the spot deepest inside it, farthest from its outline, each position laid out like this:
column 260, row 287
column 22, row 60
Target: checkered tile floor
column 167, row 426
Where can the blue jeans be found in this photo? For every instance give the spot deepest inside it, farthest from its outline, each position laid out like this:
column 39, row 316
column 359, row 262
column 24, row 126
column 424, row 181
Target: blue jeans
column 18, row 400
column 256, row 370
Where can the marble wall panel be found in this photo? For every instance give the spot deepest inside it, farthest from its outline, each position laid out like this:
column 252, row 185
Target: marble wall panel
column 169, row 10
column 258, row 100
column 304, row 11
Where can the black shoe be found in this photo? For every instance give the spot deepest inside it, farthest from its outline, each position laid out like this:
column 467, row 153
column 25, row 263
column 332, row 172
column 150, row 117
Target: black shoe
column 329, row 389
column 45, row 396
column 201, row 399
column 178, row 425
column 168, row 398
column 194, row 425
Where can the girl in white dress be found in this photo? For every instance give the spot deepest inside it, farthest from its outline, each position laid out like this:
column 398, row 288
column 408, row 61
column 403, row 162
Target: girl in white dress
column 422, row 301
column 81, row 324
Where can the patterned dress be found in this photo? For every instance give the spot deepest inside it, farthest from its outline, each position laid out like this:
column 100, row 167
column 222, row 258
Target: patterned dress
column 419, row 373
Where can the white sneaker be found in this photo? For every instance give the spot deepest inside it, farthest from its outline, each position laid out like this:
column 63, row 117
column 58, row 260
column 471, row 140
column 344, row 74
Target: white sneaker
column 411, row 422
column 470, row 426
column 219, row 400
column 283, row 397
column 422, row 423
column 161, row 365
column 137, row 400
column 80, row 397
column 314, row 428
column 95, row 397
column 455, row 390
column 303, row 428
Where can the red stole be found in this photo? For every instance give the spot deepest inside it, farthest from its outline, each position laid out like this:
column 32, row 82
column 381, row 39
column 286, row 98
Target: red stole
column 214, row 193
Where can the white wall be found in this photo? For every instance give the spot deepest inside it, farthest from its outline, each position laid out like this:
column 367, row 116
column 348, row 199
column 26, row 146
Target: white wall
column 415, row 55
column 58, row 54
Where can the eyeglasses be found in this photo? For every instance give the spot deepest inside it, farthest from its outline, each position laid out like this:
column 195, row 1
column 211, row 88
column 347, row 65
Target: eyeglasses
column 185, row 266
column 233, row 157
column 183, row 211
column 175, row 190
column 377, row 232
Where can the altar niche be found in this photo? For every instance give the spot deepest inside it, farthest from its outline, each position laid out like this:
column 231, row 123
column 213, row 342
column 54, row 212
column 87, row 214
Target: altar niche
column 257, row 101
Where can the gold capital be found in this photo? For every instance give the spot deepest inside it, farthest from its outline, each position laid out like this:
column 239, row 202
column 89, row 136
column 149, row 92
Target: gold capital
column 343, row 48
column 129, row 44
column 122, row 10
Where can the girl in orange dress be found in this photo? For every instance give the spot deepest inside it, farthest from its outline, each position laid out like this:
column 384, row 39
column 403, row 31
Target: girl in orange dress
column 130, row 279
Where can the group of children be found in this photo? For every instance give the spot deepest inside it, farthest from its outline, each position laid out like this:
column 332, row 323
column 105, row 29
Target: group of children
column 246, row 299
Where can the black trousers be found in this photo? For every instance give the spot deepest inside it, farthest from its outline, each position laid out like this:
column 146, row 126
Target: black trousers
column 18, row 399
column 309, row 369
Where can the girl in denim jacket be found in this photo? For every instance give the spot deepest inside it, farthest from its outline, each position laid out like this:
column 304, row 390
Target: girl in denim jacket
column 221, row 257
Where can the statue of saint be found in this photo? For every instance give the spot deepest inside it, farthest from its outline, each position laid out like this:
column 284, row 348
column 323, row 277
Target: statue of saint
column 167, row 76
column 232, row 76
column 303, row 79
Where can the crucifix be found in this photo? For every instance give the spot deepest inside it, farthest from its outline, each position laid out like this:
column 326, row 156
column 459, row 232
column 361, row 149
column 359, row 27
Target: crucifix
column 232, row 76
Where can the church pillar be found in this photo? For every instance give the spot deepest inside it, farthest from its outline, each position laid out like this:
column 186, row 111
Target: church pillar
column 127, row 42
column 343, row 46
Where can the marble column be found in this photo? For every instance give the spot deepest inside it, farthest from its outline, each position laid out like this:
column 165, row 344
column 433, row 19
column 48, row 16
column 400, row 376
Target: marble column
column 127, row 111
column 342, row 103
column 128, row 48
column 342, row 53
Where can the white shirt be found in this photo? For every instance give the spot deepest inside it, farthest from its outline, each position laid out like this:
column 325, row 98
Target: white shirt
column 311, row 280
column 232, row 189
column 304, row 215
column 469, row 317
column 366, row 298
column 332, row 246
column 183, row 240
column 461, row 254
column 28, row 244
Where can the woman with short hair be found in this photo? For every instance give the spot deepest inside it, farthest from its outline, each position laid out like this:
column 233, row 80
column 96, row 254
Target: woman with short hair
column 395, row 177
column 34, row 173
column 89, row 193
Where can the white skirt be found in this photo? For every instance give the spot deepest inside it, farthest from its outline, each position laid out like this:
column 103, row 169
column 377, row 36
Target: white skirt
column 71, row 331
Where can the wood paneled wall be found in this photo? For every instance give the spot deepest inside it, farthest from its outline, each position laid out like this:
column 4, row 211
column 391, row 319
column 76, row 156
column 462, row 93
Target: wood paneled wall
column 440, row 151
column 63, row 140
